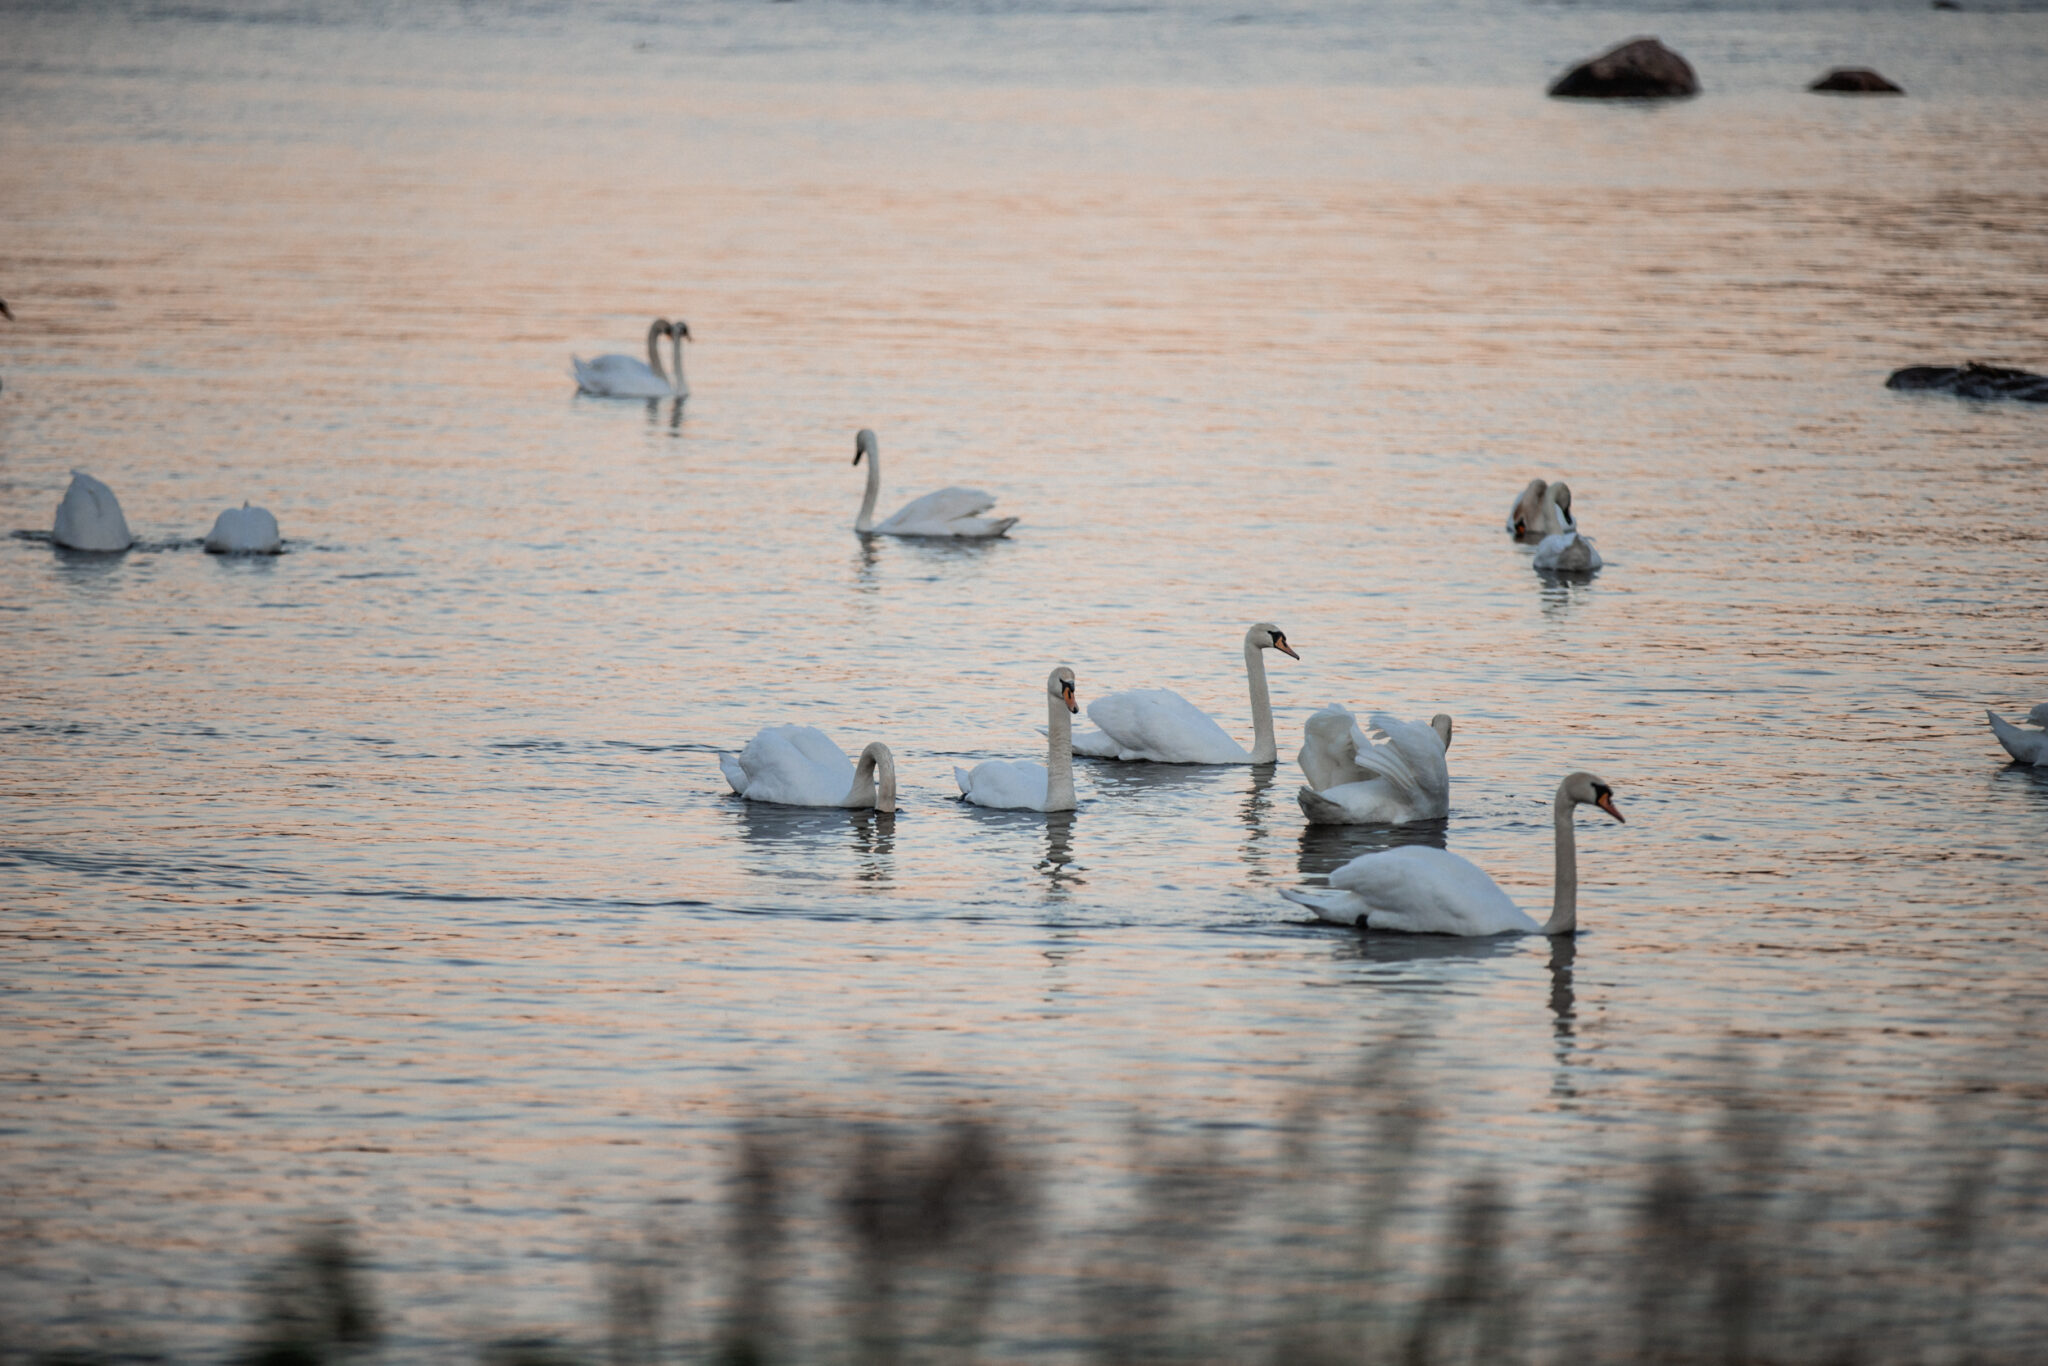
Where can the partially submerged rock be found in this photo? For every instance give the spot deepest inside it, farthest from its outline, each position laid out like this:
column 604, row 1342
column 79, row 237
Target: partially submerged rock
column 1973, row 380
column 1640, row 69
column 1854, row 80
column 244, row 531
column 90, row 517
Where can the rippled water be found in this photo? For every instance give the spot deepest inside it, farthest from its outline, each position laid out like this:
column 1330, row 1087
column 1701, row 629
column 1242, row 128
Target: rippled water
column 395, row 875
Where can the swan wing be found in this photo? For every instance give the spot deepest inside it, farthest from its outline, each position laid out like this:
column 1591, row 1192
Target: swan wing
column 1368, row 803
column 1094, row 744
column 616, row 376
column 1409, row 757
column 1330, row 743
column 2027, row 746
column 793, row 766
column 942, row 512
column 1005, row 784
column 1419, row 889
column 1160, row 725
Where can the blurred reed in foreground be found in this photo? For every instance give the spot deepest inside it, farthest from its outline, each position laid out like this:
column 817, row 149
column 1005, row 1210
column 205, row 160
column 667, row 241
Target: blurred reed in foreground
column 1750, row 1236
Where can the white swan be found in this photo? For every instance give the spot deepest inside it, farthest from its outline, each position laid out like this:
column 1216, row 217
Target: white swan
column 616, row 376
column 1162, row 727
column 1542, row 509
column 1417, row 889
column 1568, row 552
column 946, row 512
column 800, row 766
column 2027, row 746
column 1019, row 784
column 90, row 517
column 244, row 531
column 1353, row 781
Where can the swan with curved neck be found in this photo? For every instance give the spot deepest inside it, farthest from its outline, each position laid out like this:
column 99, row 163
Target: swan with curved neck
column 1542, row 509
column 1417, row 889
column 800, row 766
column 948, row 513
column 1352, row 780
column 678, row 333
column 1021, row 785
column 1158, row 725
column 617, row 376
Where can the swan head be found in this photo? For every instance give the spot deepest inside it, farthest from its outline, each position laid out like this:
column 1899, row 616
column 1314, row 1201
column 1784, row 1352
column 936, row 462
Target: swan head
column 1265, row 635
column 1060, row 684
column 1441, row 724
column 864, row 444
column 880, row 765
column 680, row 330
column 1561, row 494
column 1531, row 499
column 1584, row 789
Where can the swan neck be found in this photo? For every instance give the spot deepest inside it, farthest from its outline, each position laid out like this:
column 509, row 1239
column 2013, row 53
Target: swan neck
column 1264, row 748
column 866, row 520
column 1564, row 898
column 874, row 780
column 654, row 352
column 675, row 342
column 1059, row 756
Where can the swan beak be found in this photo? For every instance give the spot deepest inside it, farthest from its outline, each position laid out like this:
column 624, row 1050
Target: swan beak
column 1067, row 692
column 1280, row 644
column 1605, row 801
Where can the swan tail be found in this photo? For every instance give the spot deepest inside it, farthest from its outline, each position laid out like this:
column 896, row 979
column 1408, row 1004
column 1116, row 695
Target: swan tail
column 734, row 774
column 1320, row 810
column 1341, row 908
column 962, row 777
column 2025, row 746
column 1095, row 745
column 997, row 527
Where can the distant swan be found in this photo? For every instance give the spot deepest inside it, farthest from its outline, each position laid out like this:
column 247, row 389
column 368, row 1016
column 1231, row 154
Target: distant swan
column 1542, row 509
column 800, row 766
column 1161, row 726
column 1567, row 552
column 954, row 512
column 616, row 376
column 1019, row 784
column 244, row 531
column 2027, row 746
column 1352, row 781
column 90, row 517
column 1417, row 889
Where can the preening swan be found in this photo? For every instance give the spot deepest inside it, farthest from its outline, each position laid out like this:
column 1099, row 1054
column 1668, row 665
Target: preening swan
column 1567, row 552
column 1353, row 781
column 244, row 531
column 947, row 512
column 1161, row 726
column 1420, row 890
column 90, row 517
column 2027, row 746
column 800, row 766
column 1542, row 509
column 616, row 376
column 1019, row 784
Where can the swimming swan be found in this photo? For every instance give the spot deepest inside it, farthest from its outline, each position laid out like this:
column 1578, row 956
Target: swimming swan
column 1019, row 784
column 90, row 517
column 2027, row 746
column 1542, row 509
column 947, row 512
column 1417, row 889
column 1568, row 552
column 1161, row 726
column 800, row 766
column 1353, row 781
column 616, row 376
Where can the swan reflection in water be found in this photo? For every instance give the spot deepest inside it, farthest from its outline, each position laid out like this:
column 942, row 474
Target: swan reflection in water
column 675, row 414
column 1564, row 949
column 1061, row 872
column 1325, row 848
column 1564, row 589
column 1256, row 811
column 929, row 556
column 783, row 830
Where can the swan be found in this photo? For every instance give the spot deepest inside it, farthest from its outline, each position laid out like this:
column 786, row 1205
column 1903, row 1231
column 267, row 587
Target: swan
column 617, row 376
column 1417, row 889
column 2027, row 746
column 1159, row 725
column 800, row 766
column 90, row 517
column 244, row 531
column 1542, row 509
column 1019, row 784
column 1353, row 781
column 1567, row 551
column 946, row 512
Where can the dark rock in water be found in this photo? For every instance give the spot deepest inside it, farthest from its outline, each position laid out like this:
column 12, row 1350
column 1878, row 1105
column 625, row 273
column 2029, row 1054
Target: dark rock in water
column 1854, row 80
column 1640, row 69
column 1973, row 380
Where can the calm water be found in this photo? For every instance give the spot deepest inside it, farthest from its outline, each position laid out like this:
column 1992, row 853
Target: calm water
column 395, row 876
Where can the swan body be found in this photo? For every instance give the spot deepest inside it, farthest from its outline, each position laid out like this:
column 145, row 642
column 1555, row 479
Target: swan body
column 1354, row 781
column 2027, row 746
column 1019, row 784
column 800, row 766
column 947, row 512
column 1542, row 509
column 90, row 517
column 1568, row 552
column 616, row 376
column 244, row 531
column 1416, row 889
column 1158, row 725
